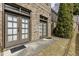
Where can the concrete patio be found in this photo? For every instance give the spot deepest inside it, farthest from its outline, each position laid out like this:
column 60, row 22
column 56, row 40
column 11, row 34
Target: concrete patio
column 31, row 48
column 43, row 47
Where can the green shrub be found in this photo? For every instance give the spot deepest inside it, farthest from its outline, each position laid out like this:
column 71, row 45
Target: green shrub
column 64, row 26
column 76, row 9
column 49, row 37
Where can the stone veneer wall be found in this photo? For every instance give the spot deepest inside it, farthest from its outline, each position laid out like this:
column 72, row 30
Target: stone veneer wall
column 1, row 25
column 37, row 10
column 54, row 17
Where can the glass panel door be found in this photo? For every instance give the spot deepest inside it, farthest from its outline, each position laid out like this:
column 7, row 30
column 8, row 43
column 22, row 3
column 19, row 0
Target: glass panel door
column 25, row 27
column 16, row 29
column 43, row 29
column 40, row 30
column 12, row 28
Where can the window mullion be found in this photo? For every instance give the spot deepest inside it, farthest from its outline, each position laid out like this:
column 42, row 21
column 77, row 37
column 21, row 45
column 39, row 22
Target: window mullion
column 19, row 28
column 12, row 28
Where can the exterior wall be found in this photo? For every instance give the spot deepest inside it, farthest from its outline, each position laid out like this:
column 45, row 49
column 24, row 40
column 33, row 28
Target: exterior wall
column 1, row 25
column 76, row 22
column 37, row 10
column 54, row 18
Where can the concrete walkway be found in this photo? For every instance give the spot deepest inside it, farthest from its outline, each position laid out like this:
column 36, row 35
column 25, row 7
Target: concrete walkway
column 34, row 47
column 43, row 47
column 57, row 48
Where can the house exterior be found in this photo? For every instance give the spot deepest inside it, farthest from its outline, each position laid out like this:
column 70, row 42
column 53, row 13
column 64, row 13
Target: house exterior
column 54, row 17
column 76, row 23
column 21, row 23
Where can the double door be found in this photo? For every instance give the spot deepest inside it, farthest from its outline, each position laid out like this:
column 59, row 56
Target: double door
column 43, row 29
column 16, row 29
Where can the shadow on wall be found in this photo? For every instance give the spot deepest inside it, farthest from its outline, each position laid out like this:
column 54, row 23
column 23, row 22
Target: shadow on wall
column 77, row 45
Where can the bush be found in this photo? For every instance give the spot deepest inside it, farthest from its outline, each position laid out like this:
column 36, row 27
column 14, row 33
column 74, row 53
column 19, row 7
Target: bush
column 76, row 9
column 49, row 37
column 64, row 26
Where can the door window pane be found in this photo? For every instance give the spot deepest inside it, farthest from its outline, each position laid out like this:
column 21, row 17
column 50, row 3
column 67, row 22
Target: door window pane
column 23, row 20
column 23, row 30
column 9, row 18
column 26, row 30
column 15, row 25
column 14, row 37
column 23, row 26
column 26, row 25
column 14, row 18
column 26, row 20
column 9, row 38
column 14, row 31
column 9, row 31
column 9, row 24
